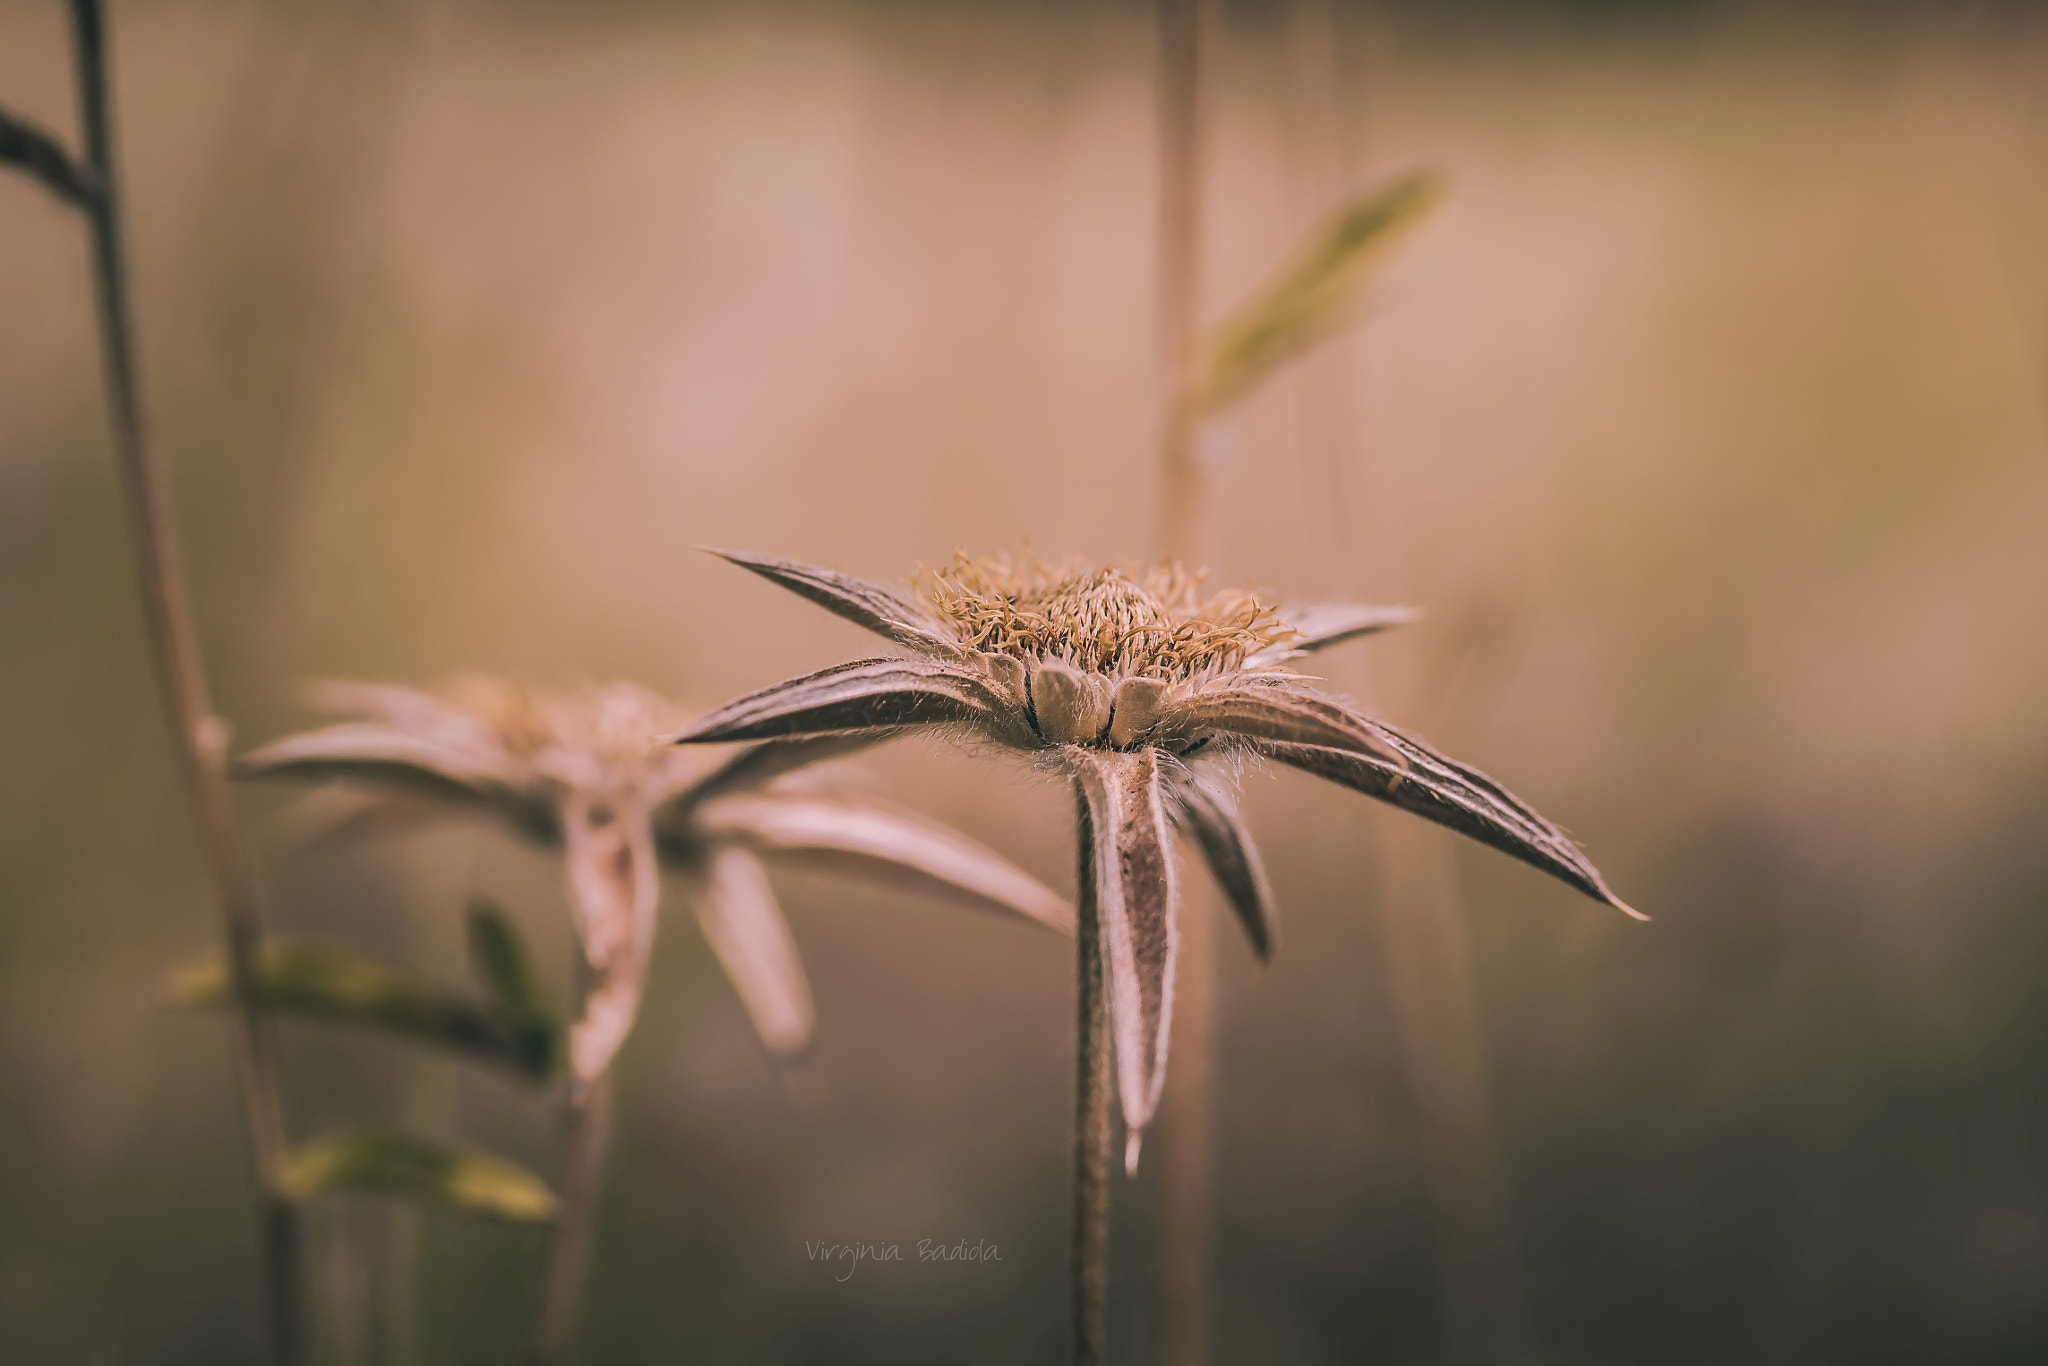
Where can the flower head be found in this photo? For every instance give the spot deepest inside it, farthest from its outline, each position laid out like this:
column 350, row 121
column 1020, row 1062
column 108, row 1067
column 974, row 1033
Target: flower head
column 1121, row 622
column 583, row 771
column 1131, row 683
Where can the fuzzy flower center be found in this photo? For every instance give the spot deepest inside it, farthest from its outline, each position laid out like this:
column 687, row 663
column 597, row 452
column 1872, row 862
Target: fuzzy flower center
column 611, row 726
column 1118, row 621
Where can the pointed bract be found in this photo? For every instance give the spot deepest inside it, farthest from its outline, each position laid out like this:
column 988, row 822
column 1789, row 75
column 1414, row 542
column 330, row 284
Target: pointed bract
column 737, row 912
column 613, row 882
column 1277, row 712
column 1136, row 896
column 1070, row 707
column 757, row 766
column 868, row 694
column 1211, row 816
column 1317, row 626
column 871, row 605
column 1441, row 789
column 880, row 839
column 444, row 765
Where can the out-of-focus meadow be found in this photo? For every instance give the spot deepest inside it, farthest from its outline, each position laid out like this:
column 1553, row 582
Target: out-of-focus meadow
column 1707, row 419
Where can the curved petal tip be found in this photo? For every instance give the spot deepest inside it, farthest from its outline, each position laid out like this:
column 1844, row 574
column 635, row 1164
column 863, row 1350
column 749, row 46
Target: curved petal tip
column 1132, row 1141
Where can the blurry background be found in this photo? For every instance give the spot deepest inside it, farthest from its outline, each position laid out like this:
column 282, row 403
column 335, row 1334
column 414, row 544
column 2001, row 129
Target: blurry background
column 1707, row 420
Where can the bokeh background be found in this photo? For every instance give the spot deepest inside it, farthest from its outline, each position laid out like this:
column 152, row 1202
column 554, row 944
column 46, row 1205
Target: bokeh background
column 1707, row 419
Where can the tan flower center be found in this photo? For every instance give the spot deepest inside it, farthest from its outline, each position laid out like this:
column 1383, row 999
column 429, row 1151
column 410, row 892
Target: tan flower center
column 1117, row 621
column 613, row 725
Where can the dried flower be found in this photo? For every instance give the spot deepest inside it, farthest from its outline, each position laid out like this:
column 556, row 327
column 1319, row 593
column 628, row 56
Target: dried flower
column 583, row 772
column 1120, row 679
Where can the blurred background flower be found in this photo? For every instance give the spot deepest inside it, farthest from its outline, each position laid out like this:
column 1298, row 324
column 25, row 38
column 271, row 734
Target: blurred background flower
column 1706, row 418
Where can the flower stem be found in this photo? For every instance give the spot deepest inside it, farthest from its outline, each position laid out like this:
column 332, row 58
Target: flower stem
column 585, row 1137
column 199, row 736
column 1091, row 1113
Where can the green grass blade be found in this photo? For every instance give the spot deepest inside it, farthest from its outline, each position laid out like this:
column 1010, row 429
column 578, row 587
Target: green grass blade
column 36, row 152
column 501, row 962
column 420, row 1171
column 1316, row 296
column 328, row 983
column 505, row 971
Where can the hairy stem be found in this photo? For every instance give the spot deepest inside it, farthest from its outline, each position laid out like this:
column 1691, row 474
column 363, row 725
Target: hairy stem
column 200, row 737
column 1186, row 1119
column 586, row 1134
column 1091, row 1112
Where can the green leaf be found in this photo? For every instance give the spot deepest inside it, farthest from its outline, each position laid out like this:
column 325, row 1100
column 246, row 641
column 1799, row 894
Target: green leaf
column 507, row 977
column 421, row 1171
column 35, row 151
column 1315, row 297
column 336, row 984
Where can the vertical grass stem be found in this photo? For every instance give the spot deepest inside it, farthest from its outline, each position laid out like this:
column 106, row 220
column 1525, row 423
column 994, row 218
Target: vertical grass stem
column 1184, row 504
column 585, row 1138
column 199, row 736
column 1186, row 1121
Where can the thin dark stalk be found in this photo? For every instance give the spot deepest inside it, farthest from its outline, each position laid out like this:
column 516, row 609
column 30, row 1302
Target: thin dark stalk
column 1186, row 1119
column 200, row 737
column 1323, row 137
column 1426, row 953
column 414, row 1283
column 1091, row 1112
column 1184, row 501
column 36, row 152
column 585, row 1138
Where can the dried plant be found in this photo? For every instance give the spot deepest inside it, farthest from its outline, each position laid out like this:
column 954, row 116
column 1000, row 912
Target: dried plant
column 90, row 183
column 1142, row 694
column 581, row 772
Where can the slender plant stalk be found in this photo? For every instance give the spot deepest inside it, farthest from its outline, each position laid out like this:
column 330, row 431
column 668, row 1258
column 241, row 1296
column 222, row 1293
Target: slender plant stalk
column 1323, row 137
column 1423, row 915
column 414, row 1285
column 1187, row 1114
column 585, row 1137
column 404, row 1282
column 1184, row 504
column 1091, row 1111
column 200, row 737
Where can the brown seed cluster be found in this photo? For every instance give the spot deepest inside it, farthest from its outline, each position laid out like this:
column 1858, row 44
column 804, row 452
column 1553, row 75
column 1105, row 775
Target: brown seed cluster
column 1121, row 621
